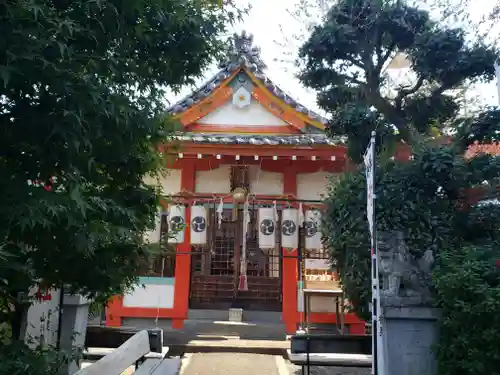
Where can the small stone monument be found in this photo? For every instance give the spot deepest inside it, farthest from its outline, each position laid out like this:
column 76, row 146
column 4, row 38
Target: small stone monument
column 74, row 319
column 407, row 317
column 42, row 323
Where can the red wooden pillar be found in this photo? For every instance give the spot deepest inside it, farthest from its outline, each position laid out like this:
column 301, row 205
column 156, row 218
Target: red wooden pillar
column 113, row 312
column 290, row 265
column 183, row 256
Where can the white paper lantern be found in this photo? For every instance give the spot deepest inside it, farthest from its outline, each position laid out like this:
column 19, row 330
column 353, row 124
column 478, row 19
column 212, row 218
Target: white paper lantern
column 313, row 229
column 198, row 225
column 176, row 223
column 267, row 228
column 289, row 229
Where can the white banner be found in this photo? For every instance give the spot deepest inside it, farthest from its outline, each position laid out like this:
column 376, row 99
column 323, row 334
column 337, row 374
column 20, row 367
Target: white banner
column 267, row 228
column 313, row 229
column 378, row 346
column 497, row 74
column 369, row 160
column 176, row 223
column 289, row 229
column 198, row 225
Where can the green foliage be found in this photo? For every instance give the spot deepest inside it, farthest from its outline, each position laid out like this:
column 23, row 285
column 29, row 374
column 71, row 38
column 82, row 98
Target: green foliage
column 483, row 128
column 18, row 359
column 82, row 112
column 467, row 280
column 346, row 57
column 422, row 198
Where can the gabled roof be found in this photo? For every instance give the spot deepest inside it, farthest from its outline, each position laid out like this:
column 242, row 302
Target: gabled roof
column 245, row 57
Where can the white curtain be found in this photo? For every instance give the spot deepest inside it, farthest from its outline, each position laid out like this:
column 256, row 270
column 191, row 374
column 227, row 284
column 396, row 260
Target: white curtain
column 289, row 228
column 176, row 223
column 313, row 229
column 267, row 228
column 199, row 225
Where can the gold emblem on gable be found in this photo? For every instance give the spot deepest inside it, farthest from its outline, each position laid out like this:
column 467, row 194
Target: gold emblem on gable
column 242, row 98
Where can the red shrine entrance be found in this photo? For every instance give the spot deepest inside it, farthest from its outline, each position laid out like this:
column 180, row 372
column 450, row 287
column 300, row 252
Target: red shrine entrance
column 215, row 267
column 241, row 122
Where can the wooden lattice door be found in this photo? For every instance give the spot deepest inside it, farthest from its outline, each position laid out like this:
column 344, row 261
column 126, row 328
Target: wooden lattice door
column 216, row 267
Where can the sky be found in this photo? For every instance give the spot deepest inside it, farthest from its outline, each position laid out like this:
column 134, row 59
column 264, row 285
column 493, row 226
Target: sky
column 269, row 21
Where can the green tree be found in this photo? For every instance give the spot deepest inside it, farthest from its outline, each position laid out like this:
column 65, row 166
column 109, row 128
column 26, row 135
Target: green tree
column 346, row 57
column 82, row 115
column 467, row 280
column 425, row 198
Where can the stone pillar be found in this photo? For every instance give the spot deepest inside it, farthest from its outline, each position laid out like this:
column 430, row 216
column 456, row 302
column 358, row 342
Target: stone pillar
column 410, row 333
column 74, row 318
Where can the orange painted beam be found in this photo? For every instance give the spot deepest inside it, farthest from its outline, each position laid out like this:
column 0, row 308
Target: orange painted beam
column 273, row 106
column 282, row 104
column 210, row 104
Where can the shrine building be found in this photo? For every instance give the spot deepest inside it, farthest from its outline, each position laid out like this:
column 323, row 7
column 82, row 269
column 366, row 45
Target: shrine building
column 240, row 224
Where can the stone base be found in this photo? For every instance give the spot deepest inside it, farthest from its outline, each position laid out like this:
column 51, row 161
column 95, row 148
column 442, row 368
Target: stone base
column 74, row 325
column 409, row 334
column 236, row 315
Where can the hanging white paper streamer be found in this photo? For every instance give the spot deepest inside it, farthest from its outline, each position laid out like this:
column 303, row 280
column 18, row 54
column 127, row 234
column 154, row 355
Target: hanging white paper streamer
column 301, row 218
column 267, row 228
column 276, row 215
column 198, row 225
column 176, row 223
column 243, row 282
column 220, row 210
column 313, row 229
column 289, row 229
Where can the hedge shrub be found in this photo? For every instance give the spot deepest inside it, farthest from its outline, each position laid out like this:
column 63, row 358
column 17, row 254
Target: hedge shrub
column 467, row 281
column 423, row 197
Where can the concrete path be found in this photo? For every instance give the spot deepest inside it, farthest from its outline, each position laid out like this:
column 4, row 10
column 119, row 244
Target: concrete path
column 252, row 364
column 230, row 364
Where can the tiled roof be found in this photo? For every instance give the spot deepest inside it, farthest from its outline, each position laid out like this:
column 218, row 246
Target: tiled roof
column 257, row 140
column 242, row 55
column 477, row 148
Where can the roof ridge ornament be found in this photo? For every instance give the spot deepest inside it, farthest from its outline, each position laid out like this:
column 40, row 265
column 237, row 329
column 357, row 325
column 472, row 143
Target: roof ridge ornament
column 243, row 52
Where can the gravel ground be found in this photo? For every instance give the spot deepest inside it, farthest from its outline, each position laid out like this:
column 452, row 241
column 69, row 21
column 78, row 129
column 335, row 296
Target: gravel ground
column 254, row 364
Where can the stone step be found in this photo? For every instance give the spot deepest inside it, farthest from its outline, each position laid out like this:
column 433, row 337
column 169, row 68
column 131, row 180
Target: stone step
column 244, row 330
column 250, row 330
column 248, row 315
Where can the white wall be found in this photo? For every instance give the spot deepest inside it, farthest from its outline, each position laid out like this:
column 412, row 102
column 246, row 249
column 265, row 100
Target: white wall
column 151, row 292
column 170, row 182
column 313, row 185
column 230, row 115
column 171, row 185
column 215, row 181
column 265, row 183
